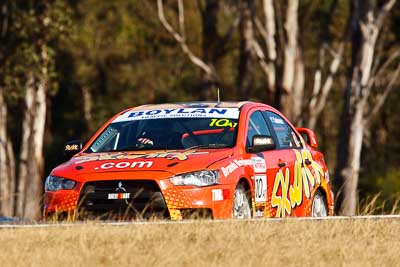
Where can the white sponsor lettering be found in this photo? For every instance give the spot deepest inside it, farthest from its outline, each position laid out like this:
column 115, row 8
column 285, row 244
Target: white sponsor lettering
column 227, row 113
column 260, row 192
column 259, row 165
column 122, row 165
column 276, row 120
column 217, row 195
column 125, row 164
column 119, row 195
column 113, row 196
column 236, row 164
column 107, row 165
column 229, row 169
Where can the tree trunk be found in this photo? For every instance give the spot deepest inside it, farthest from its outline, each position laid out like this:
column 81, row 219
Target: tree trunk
column 210, row 76
column 320, row 94
column 287, row 99
column 87, row 107
column 31, row 161
column 298, row 89
column 7, row 165
column 270, row 26
column 210, row 38
column 351, row 170
column 246, row 58
column 23, row 168
column 365, row 33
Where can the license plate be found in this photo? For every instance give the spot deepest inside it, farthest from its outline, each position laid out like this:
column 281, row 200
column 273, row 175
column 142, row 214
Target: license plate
column 119, row 195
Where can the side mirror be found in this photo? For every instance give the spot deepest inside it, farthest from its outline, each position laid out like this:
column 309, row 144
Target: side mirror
column 308, row 136
column 72, row 147
column 261, row 143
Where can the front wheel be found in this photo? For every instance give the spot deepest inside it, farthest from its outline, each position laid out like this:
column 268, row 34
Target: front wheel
column 241, row 203
column 318, row 208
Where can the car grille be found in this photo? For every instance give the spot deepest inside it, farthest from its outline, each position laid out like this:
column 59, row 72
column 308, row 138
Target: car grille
column 141, row 200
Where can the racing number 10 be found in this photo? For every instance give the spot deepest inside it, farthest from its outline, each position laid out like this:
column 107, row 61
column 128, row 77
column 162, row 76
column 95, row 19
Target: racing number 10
column 260, row 192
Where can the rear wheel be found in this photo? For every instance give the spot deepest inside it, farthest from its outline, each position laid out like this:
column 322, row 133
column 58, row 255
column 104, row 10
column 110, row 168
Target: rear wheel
column 318, row 208
column 241, row 203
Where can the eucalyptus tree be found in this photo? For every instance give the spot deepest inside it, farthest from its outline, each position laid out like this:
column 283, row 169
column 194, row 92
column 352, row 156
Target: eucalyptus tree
column 368, row 18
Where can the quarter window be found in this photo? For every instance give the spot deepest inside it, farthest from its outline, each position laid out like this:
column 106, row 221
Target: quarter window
column 287, row 138
column 257, row 126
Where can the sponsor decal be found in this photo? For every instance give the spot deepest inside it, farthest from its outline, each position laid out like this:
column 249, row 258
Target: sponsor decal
column 71, row 147
column 234, row 165
column 229, row 169
column 223, row 123
column 125, row 164
column 260, row 192
column 276, row 120
column 229, row 113
column 259, row 165
column 119, row 195
column 180, row 155
column 291, row 195
column 217, row 195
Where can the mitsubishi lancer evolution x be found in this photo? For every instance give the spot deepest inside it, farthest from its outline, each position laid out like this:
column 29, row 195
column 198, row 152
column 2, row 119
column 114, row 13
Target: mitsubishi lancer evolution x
column 176, row 161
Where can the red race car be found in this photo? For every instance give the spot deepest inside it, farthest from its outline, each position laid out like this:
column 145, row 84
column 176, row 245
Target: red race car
column 213, row 159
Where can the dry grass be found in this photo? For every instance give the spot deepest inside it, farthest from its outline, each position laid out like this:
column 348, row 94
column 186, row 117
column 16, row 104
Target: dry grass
column 378, row 205
column 205, row 243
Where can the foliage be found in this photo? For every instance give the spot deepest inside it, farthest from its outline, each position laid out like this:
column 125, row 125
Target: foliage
column 121, row 54
column 34, row 25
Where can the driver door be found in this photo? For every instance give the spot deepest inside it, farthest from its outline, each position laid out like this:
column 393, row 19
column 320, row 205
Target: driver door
column 265, row 166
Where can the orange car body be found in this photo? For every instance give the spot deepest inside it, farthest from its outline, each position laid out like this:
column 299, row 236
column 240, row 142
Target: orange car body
column 281, row 181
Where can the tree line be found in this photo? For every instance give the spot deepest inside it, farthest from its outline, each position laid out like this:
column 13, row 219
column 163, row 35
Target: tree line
column 332, row 66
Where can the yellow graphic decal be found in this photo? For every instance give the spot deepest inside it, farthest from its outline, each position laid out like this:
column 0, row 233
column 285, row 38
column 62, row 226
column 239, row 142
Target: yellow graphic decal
column 180, row 155
column 281, row 202
column 306, row 172
column 315, row 167
column 222, row 123
column 296, row 190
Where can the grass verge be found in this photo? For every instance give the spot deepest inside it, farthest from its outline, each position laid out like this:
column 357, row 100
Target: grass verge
column 206, row 243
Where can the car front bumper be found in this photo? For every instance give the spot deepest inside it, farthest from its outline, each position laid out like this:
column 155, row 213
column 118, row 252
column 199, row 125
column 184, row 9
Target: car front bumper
column 146, row 196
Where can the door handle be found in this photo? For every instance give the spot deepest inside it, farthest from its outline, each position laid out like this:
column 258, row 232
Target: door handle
column 281, row 164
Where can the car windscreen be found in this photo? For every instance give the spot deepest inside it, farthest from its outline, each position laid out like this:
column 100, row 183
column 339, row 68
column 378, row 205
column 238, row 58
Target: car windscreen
column 180, row 132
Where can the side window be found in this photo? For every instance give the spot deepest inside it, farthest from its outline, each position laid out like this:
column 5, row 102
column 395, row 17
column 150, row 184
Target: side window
column 287, row 138
column 257, row 126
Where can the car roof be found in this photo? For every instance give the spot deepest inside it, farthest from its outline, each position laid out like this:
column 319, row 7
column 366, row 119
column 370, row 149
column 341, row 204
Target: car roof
column 200, row 104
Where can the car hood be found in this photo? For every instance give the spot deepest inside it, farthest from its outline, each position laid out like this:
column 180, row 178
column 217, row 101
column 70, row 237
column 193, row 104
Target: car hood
column 172, row 161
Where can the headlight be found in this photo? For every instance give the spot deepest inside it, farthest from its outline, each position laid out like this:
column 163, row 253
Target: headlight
column 199, row 178
column 54, row 183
